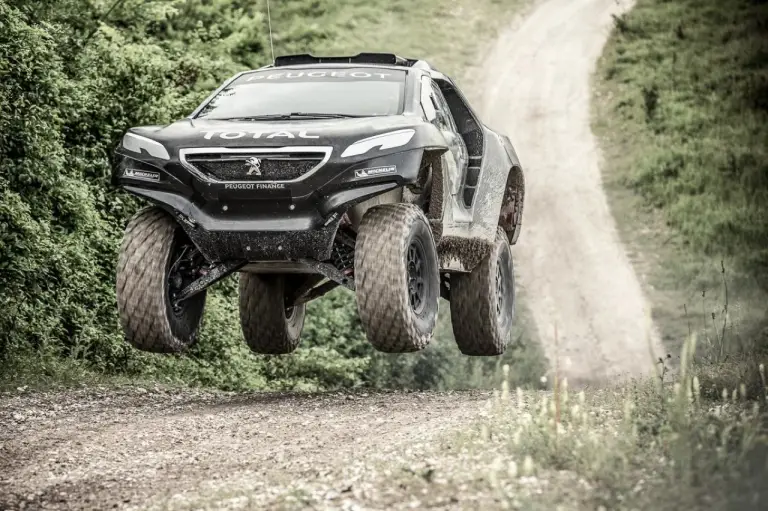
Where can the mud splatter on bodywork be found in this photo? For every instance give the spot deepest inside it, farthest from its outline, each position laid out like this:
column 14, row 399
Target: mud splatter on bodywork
column 435, row 212
column 466, row 235
column 462, row 254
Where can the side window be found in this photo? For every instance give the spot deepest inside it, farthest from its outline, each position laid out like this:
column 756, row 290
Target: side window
column 435, row 106
column 443, row 112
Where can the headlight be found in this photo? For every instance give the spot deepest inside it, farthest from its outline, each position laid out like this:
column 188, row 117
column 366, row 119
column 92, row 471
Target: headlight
column 136, row 143
column 385, row 141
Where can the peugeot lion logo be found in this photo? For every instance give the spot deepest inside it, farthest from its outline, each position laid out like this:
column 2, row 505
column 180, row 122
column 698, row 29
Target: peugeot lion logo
column 254, row 166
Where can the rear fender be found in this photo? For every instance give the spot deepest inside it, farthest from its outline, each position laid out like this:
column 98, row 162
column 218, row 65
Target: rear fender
column 464, row 244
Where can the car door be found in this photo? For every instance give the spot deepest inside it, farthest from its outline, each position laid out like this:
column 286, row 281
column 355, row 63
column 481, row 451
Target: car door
column 438, row 113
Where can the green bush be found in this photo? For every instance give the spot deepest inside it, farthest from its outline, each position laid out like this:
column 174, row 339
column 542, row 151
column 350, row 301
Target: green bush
column 74, row 74
column 71, row 84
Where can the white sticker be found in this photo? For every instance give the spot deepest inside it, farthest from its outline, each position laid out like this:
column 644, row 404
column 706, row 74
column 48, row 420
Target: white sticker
column 331, row 219
column 142, row 175
column 254, row 186
column 375, row 171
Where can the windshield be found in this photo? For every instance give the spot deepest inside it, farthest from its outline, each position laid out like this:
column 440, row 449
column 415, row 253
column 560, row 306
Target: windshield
column 354, row 92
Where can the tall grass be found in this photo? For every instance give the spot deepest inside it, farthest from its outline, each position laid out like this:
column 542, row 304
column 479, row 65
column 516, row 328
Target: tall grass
column 663, row 444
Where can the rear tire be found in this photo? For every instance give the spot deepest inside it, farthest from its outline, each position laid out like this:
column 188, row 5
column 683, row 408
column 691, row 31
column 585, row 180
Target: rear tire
column 396, row 278
column 268, row 326
column 152, row 243
column 483, row 302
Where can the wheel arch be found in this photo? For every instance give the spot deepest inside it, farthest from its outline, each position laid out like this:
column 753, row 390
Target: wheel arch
column 511, row 212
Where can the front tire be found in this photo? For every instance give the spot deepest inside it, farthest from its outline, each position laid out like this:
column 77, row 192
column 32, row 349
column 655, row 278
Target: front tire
column 396, row 278
column 483, row 302
column 148, row 270
column 269, row 327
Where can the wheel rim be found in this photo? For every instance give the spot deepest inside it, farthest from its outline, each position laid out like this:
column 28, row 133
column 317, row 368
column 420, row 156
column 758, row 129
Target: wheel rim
column 500, row 291
column 416, row 272
column 505, row 288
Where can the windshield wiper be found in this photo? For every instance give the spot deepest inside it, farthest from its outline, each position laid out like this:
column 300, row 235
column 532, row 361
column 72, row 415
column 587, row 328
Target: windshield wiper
column 292, row 115
column 270, row 117
column 320, row 115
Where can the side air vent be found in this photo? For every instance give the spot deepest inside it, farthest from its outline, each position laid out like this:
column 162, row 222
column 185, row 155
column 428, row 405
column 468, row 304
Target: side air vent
column 470, row 185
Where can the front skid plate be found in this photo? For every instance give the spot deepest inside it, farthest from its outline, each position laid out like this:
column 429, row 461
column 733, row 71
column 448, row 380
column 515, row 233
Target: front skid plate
column 264, row 246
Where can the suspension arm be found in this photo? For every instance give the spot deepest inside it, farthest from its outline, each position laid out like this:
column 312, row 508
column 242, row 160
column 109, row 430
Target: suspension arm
column 212, row 276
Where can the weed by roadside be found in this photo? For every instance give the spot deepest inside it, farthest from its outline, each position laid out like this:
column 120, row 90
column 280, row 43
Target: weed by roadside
column 640, row 446
column 693, row 435
column 667, row 443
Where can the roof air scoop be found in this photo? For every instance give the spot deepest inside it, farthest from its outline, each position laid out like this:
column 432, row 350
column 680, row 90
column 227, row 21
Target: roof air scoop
column 387, row 59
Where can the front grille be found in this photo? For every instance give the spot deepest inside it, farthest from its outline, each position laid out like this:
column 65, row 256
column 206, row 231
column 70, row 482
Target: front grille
column 255, row 167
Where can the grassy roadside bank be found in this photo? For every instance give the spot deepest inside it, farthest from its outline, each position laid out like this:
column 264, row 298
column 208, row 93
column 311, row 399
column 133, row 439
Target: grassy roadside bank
column 642, row 445
column 681, row 109
column 182, row 49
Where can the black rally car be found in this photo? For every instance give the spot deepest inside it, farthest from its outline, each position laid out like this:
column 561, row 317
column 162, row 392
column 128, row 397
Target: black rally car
column 370, row 172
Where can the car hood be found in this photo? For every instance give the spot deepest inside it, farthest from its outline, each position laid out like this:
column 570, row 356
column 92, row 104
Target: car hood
column 337, row 133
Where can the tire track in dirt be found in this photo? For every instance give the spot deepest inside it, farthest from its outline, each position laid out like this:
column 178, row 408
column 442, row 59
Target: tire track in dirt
column 130, row 448
column 572, row 266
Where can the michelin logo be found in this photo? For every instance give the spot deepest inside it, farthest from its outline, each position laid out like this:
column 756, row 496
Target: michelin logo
column 375, row 171
column 142, row 175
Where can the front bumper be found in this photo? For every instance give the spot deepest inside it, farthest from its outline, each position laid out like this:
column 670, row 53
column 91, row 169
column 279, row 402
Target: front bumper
column 295, row 219
column 286, row 233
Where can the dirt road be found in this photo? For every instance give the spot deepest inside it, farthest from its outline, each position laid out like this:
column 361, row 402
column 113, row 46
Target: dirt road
column 571, row 264
column 134, row 448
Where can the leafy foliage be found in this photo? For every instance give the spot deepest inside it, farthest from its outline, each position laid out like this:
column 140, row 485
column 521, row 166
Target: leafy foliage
column 74, row 74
